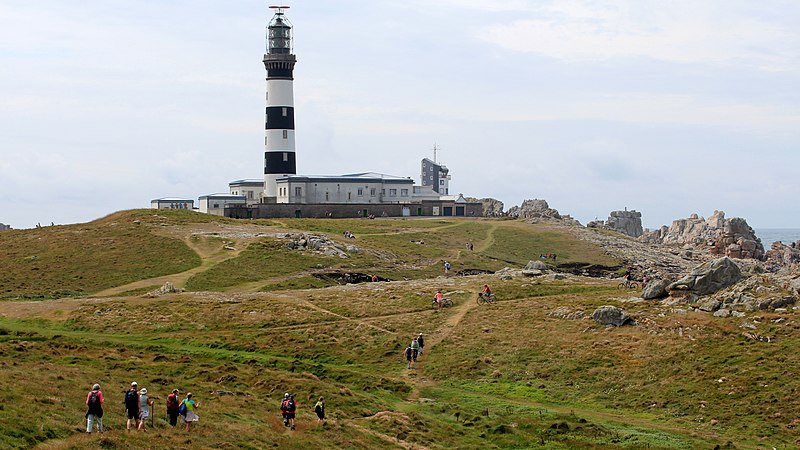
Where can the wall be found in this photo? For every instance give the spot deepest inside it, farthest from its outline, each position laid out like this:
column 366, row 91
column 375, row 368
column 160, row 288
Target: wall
column 313, row 192
column 339, row 211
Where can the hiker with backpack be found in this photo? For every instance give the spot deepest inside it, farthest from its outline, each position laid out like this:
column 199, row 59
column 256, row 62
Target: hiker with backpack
column 173, row 405
column 414, row 349
column 187, row 409
column 288, row 410
column 94, row 412
column 421, row 342
column 407, row 354
column 132, row 406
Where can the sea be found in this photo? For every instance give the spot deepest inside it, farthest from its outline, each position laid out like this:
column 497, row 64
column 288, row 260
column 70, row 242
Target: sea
column 770, row 235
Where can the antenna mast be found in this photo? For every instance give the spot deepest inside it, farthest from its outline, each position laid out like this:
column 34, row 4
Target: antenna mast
column 434, row 151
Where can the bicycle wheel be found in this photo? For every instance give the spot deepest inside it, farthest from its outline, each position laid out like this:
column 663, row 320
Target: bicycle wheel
column 480, row 299
column 633, row 285
column 446, row 303
column 621, row 286
column 491, row 298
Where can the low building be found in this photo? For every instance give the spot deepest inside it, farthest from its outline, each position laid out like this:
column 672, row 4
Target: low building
column 172, row 203
column 356, row 188
column 216, row 203
column 253, row 190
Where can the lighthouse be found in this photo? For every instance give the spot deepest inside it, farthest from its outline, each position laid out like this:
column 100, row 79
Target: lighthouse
column 279, row 157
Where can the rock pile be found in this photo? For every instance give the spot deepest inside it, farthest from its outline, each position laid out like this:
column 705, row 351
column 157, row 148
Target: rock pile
column 706, row 278
column 318, row 243
column 167, row 288
column 491, row 207
column 720, row 236
column 782, row 255
column 625, row 222
column 536, row 210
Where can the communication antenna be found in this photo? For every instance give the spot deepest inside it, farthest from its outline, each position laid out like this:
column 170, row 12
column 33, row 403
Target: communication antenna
column 279, row 9
column 434, row 152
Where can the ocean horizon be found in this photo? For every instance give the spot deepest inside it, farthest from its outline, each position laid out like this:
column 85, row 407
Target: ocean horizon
column 770, row 235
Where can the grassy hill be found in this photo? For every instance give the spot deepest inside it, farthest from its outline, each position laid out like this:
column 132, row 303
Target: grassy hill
column 256, row 321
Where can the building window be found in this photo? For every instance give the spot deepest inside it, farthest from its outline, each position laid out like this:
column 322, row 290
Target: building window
column 372, row 192
column 404, row 192
column 327, row 196
column 216, row 206
column 348, row 195
column 431, row 177
column 285, row 112
column 286, row 134
column 392, row 192
column 441, row 182
column 297, row 191
column 360, row 192
column 250, row 195
column 383, row 192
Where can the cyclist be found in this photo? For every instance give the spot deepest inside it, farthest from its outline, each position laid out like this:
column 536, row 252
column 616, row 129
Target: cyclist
column 438, row 299
column 487, row 291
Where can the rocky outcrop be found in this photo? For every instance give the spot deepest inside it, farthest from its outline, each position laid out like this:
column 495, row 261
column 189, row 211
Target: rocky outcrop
column 491, row 207
column 536, row 210
column 167, row 288
column 707, row 278
column 782, row 255
column 720, row 236
column 656, row 289
column 611, row 316
column 625, row 222
column 318, row 243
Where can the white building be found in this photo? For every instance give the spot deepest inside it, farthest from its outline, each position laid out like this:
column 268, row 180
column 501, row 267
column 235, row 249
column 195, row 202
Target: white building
column 172, row 203
column 252, row 190
column 367, row 187
column 215, row 203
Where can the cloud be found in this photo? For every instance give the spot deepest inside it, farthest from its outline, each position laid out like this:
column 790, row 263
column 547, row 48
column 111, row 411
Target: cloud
column 679, row 31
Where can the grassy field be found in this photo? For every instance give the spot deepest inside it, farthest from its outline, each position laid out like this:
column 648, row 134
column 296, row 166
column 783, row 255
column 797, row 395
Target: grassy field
column 255, row 323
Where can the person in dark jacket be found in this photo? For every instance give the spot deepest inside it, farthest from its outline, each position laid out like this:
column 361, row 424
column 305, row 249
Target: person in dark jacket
column 132, row 406
column 319, row 408
column 173, row 407
column 94, row 411
column 421, row 342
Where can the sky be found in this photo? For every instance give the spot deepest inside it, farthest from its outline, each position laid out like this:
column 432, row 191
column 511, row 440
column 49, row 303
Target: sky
column 668, row 108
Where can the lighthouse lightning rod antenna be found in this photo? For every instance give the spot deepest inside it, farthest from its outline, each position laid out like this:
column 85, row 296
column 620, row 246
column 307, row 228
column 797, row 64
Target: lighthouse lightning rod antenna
column 279, row 9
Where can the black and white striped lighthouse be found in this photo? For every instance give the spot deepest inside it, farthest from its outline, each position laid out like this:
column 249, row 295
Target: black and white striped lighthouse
column 279, row 157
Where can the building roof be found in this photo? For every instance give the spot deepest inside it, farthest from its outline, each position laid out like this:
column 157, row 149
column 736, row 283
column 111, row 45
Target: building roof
column 352, row 177
column 223, row 196
column 250, row 181
column 172, row 199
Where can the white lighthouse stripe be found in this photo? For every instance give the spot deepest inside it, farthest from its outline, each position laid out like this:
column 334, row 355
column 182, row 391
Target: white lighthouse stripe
column 280, row 93
column 276, row 142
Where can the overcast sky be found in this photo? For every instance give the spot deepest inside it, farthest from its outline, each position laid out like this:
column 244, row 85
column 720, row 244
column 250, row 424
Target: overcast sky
column 669, row 108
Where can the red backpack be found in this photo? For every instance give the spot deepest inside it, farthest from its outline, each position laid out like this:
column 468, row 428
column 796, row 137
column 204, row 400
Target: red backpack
column 172, row 402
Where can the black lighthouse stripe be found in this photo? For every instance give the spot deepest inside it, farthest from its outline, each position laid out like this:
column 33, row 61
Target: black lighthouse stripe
column 279, row 162
column 276, row 120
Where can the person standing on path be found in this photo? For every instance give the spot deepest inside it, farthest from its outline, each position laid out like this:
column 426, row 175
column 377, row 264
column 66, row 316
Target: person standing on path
column 446, row 267
column 421, row 342
column 94, row 413
column 414, row 349
column 319, row 408
column 173, row 406
column 407, row 354
column 439, row 298
column 191, row 415
column 132, row 406
column 291, row 410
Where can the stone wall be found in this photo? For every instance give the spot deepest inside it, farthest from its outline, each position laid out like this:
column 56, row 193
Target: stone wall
column 350, row 211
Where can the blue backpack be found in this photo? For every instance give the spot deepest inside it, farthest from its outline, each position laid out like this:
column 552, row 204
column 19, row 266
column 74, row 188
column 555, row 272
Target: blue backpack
column 182, row 409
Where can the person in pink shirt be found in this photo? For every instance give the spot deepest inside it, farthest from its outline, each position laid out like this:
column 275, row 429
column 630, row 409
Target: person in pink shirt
column 94, row 412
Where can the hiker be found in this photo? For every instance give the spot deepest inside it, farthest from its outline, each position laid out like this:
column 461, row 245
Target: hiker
column 438, row 298
column 283, row 409
column 421, row 342
column 446, row 267
column 173, row 405
column 374, row 278
column 132, row 406
column 319, row 408
column 290, row 408
column 190, row 405
column 414, row 349
column 407, row 354
column 94, row 413
column 144, row 409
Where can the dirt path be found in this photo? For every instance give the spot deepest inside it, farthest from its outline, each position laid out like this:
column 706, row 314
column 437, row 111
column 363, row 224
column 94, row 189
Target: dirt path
column 387, row 438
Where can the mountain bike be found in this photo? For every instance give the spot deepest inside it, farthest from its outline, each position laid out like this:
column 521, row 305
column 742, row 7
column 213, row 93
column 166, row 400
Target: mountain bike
column 484, row 299
column 446, row 303
column 628, row 285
